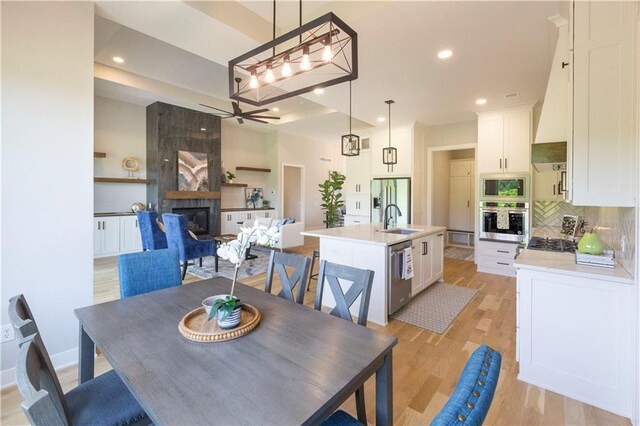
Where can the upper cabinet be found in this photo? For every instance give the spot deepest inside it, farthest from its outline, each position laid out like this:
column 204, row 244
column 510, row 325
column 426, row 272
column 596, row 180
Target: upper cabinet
column 603, row 109
column 504, row 140
column 359, row 174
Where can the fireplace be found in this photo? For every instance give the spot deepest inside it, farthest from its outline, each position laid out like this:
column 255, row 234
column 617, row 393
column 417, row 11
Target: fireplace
column 198, row 218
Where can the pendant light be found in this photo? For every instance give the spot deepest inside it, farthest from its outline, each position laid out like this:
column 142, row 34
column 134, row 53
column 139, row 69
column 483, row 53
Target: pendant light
column 350, row 142
column 389, row 154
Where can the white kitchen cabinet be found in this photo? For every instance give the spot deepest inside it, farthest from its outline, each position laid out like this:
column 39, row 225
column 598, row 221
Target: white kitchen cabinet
column 230, row 222
column 402, row 140
column 604, row 90
column 428, row 261
column 437, row 248
column 352, row 219
column 504, row 139
column 496, row 258
column 130, row 238
column 546, row 186
column 358, row 205
column 575, row 337
column 461, row 195
column 358, row 174
column 266, row 214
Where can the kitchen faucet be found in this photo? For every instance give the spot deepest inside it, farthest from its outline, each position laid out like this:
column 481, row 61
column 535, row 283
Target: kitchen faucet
column 386, row 212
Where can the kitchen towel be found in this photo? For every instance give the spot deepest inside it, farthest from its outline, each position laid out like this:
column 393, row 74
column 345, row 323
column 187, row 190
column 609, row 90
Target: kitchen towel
column 503, row 219
column 407, row 264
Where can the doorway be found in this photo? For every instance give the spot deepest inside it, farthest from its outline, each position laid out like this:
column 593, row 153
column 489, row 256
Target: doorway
column 293, row 192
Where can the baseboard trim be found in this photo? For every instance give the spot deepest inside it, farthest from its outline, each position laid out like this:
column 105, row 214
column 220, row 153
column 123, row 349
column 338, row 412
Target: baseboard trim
column 60, row 360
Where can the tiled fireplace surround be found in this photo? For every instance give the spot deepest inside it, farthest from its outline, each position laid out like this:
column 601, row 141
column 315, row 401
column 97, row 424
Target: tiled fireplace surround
column 616, row 226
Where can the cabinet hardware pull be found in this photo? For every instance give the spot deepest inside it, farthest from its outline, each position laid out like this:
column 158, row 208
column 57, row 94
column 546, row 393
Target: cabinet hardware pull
column 440, row 235
column 503, row 251
column 501, row 164
column 505, row 164
column 104, row 225
column 502, row 263
column 565, row 64
column 136, row 223
column 98, row 225
column 554, row 189
column 467, row 203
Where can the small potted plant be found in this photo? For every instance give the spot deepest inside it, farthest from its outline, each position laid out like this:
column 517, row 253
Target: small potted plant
column 226, row 307
column 230, row 177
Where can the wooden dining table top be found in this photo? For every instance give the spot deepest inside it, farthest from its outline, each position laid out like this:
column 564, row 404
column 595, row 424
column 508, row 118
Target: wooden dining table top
column 296, row 366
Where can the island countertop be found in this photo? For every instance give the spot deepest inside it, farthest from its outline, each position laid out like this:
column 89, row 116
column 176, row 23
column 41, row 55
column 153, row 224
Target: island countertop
column 373, row 233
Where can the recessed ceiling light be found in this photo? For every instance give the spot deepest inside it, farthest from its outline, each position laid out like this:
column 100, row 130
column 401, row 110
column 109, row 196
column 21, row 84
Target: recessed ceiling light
column 381, row 119
column 118, row 60
column 318, row 91
column 481, row 101
column 203, row 129
column 275, row 109
column 444, row 54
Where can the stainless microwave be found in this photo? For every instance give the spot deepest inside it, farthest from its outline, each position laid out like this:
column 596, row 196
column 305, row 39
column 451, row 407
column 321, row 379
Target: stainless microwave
column 504, row 187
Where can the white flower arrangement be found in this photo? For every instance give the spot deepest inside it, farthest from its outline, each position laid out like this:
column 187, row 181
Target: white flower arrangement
column 234, row 251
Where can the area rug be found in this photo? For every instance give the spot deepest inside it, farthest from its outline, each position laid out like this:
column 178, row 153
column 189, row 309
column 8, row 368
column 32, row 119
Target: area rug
column 226, row 268
column 437, row 307
column 460, row 253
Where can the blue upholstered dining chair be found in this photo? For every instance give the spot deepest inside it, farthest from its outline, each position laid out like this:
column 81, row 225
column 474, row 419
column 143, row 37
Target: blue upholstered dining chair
column 148, row 271
column 189, row 248
column 471, row 399
column 153, row 238
column 104, row 399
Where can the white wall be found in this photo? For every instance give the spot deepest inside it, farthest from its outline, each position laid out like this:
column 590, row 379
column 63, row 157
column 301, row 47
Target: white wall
column 292, row 184
column 298, row 150
column 440, row 199
column 246, row 147
column 120, row 131
column 47, row 168
column 452, row 134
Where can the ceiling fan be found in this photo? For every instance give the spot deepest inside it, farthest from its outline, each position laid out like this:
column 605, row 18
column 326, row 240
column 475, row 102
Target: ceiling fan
column 240, row 115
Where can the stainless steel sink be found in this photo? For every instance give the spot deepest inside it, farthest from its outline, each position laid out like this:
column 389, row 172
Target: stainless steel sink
column 400, row 231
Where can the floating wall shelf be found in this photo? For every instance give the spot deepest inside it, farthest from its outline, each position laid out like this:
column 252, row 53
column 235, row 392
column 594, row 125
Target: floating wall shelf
column 120, row 180
column 99, row 154
column 235, row 185
column 253, row 169
column 191, row 195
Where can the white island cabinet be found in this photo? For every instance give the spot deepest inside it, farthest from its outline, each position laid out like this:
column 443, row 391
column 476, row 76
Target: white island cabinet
column 574, row 331
column 365, row 246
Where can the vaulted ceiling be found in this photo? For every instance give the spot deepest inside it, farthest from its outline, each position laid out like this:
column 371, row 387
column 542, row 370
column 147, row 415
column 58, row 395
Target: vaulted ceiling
column 177, row 52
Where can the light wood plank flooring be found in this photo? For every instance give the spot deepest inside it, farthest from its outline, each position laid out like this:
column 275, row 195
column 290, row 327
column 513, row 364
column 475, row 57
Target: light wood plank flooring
column 426, row 365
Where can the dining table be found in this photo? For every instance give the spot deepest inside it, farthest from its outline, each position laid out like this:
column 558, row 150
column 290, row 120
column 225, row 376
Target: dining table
column 298, row 366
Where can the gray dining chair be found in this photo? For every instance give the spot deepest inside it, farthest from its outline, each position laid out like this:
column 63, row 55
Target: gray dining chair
column 330, row 274
column 104, row 400
column 278, row 262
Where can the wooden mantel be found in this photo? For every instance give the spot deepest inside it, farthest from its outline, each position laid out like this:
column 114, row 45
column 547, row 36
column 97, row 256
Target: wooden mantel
column 191, row 195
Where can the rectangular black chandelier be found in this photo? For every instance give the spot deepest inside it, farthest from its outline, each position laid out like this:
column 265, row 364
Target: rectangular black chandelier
column 350, row 145
column 320, row 53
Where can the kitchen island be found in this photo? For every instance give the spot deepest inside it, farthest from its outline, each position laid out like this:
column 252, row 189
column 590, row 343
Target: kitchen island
column 367, row 246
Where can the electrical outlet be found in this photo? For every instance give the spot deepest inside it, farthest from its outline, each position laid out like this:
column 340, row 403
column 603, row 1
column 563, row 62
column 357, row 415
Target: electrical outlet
column 7, row 334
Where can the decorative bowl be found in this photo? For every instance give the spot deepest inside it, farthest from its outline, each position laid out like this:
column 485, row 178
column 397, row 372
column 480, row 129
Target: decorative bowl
column 209, row 301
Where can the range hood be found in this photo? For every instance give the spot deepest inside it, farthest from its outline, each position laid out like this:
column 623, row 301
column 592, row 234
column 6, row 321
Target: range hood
column 549, row 151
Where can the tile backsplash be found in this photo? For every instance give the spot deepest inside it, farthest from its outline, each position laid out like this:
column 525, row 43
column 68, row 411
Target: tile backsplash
column 616, row 226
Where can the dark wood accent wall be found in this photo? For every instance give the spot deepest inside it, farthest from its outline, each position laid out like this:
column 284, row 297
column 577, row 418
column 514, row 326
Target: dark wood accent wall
column 171, row 129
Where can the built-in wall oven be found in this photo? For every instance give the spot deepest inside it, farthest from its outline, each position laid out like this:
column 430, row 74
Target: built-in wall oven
column 504, row 221
column 504, row 187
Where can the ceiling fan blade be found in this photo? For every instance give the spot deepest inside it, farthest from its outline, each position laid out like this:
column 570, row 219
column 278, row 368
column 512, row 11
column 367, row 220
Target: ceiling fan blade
column 257, row 111
column 240, row 120
column 217, row 109
column 236, row 108
column 255, row 119
column 268, row 117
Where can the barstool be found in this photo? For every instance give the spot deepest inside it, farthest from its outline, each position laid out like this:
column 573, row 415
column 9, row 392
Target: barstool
column 312, row 276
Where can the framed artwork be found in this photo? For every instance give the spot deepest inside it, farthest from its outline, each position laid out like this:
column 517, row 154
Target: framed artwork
column 193, row 172
column 254, row 197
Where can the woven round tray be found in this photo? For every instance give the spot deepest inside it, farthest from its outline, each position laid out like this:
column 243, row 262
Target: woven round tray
column 194, row 326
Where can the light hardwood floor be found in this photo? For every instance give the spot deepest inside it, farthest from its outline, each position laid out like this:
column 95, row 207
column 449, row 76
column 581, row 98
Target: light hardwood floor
column 426, row 365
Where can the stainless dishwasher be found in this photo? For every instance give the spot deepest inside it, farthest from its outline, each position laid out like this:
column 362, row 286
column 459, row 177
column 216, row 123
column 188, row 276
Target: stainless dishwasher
column 399, row 288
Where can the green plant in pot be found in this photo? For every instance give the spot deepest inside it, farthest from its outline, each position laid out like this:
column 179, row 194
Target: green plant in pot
column 332, row 201
column 230, row 177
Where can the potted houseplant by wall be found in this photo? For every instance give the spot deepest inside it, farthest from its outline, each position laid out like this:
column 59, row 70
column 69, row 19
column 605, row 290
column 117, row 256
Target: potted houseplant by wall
column 226, row 308
column 331, row 191
column 230, row 177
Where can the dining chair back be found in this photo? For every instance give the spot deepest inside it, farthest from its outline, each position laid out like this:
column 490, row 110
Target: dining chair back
column 278, row 262
column 153, row 238
column 361, row 281
column 178, row 237
column 148, row 271
column 104, row 400
column 25, row 326
column 470, row 401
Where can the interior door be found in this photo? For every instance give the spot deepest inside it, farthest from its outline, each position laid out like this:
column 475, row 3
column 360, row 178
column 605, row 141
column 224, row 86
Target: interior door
column 460, row 204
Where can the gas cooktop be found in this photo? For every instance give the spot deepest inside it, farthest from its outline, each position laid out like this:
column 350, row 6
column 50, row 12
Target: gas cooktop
column 553, row 244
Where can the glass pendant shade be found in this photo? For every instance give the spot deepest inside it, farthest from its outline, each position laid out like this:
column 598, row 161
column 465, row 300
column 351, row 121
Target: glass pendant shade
column 389, row 156
column 350, row 145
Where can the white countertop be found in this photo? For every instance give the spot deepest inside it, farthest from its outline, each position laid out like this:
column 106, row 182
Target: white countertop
column 370, row 233
column 565, row 263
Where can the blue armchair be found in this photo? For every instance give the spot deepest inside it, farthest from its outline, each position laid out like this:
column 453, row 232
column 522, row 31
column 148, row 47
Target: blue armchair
column 153, row 238
column 148, row 271
column 189, row 248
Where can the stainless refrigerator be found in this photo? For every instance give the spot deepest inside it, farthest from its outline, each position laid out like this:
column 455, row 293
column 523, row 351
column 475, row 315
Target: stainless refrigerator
column 385, row 191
